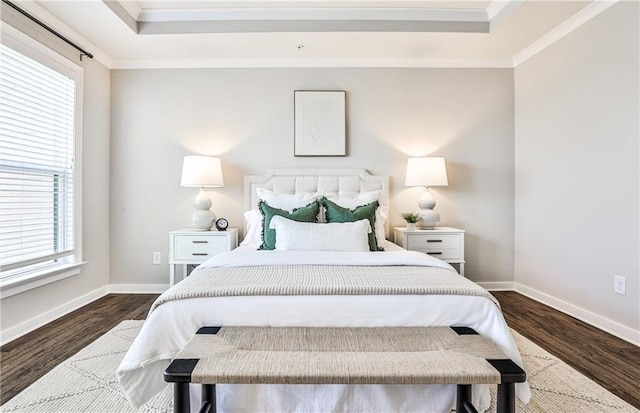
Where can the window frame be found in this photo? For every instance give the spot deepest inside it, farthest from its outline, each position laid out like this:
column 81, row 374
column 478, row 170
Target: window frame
column 33, row 49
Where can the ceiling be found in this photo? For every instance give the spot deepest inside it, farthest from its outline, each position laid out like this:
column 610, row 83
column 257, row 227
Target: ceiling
column 313, row 33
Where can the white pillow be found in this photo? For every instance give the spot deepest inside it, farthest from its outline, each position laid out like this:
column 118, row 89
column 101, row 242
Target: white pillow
column 348, row 236
column 287, row 202
column 364, row 198
column 253, row 228
column 382, row 213
column 352, row 202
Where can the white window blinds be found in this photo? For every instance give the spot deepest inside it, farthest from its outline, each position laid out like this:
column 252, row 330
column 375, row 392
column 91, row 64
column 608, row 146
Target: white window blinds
column 37, row 141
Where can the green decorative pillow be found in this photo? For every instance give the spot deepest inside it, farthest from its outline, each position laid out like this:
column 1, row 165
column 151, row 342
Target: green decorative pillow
column 305, row 214
column 336, row 213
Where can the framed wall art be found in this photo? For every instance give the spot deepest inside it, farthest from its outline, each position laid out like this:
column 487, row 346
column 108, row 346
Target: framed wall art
column 320, row 123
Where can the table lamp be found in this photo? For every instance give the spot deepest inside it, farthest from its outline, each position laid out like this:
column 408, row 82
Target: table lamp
column 427, row 172
column 202, row 172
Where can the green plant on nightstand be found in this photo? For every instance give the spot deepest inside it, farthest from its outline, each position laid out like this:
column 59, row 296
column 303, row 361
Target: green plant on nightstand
column 411, row 219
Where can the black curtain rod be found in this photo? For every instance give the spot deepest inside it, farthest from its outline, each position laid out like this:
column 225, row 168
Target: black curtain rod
column 49, row 29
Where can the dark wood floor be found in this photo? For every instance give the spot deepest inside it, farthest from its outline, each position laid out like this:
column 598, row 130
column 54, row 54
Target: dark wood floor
column 30, row 357
column 606, row 359
column 612, row 362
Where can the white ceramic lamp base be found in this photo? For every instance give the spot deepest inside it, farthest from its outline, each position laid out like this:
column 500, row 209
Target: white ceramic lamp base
column 202, row 217
column 429, row 218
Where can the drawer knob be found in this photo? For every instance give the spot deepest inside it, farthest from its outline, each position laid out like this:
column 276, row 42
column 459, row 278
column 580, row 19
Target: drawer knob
column 434, row 253
column 200, row 254
column 200, row 242
column 434, row 240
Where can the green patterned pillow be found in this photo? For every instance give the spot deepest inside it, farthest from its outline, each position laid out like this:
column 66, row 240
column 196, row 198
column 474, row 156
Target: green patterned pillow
column 336, row 213
column 305, row 214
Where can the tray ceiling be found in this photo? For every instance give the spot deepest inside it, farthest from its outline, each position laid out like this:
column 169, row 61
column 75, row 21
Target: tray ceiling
column 309, row 33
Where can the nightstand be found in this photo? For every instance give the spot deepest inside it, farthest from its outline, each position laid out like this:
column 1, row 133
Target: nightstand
column 189, row 247
column 444, row 243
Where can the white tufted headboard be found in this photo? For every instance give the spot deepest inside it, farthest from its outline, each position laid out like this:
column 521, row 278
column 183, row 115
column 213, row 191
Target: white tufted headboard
column 343, row 182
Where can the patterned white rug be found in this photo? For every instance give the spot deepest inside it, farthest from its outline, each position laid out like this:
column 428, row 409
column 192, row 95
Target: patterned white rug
column 86, row 383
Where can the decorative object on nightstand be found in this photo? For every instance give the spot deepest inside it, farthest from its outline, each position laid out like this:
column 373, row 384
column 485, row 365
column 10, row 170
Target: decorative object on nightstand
column 193, row 247
column 427, row 172
column 202, row 172
column 222, row 224
column 444, row 243
column 411, row 220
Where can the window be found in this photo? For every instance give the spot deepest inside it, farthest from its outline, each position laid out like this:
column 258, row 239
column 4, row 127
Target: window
column 39, row 141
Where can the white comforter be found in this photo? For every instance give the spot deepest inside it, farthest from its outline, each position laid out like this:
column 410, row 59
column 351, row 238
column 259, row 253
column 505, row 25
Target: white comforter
column 171, row 325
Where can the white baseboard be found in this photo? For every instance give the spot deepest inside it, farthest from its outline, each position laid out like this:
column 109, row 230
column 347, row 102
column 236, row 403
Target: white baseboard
column 497, row 286
column 138, row 288
column 610, row 326
column 28, row 326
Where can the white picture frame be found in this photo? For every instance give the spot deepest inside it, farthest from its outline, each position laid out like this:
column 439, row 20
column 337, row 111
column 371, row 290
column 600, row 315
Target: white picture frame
column 320, row 123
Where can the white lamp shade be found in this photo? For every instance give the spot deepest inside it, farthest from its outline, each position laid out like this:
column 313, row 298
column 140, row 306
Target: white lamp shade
column 202, row 172
column 427, row 171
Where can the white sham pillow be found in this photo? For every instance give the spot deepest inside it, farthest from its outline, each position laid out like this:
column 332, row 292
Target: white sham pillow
column 253, row 228
column 286, row 202
column 382, row 213
column 364, row 198
column 347, row 236
column 354, row 201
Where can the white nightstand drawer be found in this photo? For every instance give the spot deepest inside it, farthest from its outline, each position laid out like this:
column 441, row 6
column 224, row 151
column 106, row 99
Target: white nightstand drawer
column 199, row 254
column 420, row 242
column 189, row 247
column 444, row 243
column 200, row 243
column 198, row 247
column 443, row 253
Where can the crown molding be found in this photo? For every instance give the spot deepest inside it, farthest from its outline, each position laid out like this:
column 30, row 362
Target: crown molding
column 131, row 6
column 499, row 10
column 310, row 63
column 123, row 13
column 313, row 14
column 307, row 26
column 563, row 29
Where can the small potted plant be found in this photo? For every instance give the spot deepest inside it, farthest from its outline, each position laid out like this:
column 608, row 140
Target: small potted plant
column 411, row 219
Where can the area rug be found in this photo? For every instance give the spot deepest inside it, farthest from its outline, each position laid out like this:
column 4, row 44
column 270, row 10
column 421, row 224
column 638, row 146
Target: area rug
column 86, row 383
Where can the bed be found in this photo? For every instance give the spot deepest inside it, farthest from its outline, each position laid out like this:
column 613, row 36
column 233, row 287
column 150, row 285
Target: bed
column 313, row 284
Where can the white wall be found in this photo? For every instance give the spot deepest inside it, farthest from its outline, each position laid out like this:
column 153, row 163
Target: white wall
column 245, row 116
column 40, row 305
column 577, row 177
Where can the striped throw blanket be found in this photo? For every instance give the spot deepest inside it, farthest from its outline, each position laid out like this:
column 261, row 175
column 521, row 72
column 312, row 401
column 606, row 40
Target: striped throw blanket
column 321, row 280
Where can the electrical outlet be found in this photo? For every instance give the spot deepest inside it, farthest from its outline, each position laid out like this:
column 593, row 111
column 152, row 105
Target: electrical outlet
column 619, row 285
column 157, row 258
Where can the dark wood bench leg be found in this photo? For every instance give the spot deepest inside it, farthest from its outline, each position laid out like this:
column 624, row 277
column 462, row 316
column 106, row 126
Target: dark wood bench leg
column 208, row 398
column 506, row 398
column 463, row 399
column 181, row 402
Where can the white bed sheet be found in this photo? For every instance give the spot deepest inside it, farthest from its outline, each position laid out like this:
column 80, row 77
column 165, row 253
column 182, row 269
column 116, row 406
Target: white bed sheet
column 172, row 324
column 249, row 255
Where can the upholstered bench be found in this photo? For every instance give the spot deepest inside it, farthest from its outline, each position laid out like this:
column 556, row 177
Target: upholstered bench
column 303, row 355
